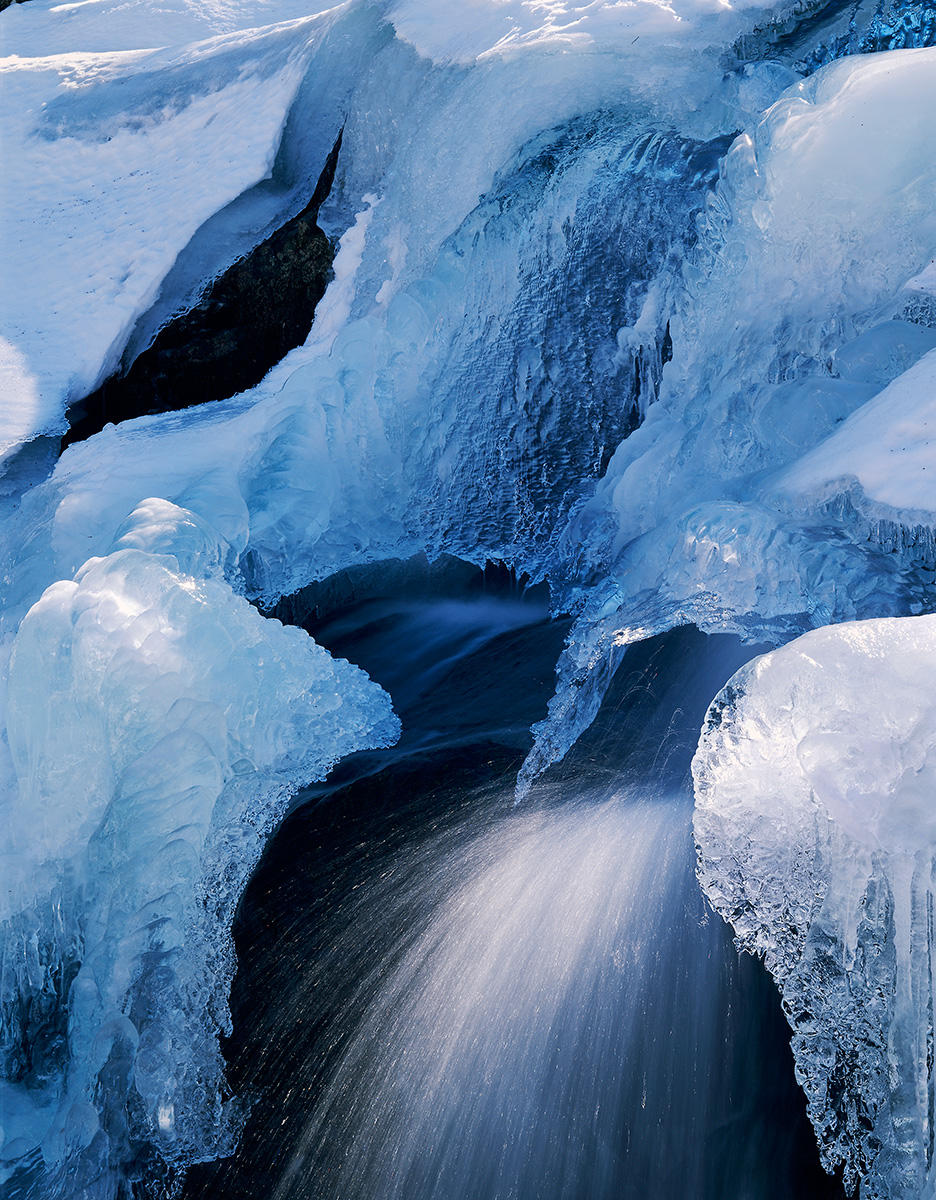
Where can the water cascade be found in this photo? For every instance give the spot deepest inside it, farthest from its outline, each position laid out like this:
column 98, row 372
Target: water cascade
column 445, row 995
column 489, row 382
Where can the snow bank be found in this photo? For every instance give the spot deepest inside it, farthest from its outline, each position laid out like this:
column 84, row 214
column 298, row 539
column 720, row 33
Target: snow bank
column 112, row 162
column 816, row 828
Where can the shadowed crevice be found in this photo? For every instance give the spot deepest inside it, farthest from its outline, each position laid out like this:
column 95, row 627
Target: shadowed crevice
column 245, row 322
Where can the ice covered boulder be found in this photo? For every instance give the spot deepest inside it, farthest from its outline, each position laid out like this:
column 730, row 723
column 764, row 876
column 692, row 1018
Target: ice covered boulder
column 815, row 821
column 157, row 725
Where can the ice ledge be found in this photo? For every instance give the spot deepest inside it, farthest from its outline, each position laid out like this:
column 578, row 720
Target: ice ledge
column 816, row 834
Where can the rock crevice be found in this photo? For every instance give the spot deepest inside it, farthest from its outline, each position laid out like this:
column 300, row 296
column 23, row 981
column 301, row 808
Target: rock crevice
column 245, row 321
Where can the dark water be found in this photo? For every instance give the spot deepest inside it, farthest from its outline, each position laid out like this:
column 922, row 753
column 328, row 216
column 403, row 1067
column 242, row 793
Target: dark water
column 442, row 995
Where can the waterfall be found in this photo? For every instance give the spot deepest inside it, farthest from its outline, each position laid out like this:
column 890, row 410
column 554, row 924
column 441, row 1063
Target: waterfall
column 447, row 996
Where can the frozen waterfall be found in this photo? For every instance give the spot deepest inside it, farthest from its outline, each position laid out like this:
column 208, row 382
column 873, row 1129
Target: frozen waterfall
column 635, row 304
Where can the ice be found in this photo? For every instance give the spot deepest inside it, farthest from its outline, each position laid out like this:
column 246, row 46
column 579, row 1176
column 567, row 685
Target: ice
column 154, row 721
column 883, row 456
column 128, row 126
column 113, row 160
column 816, row 831
column 157, row 725
column 542, row 344
column 821, row 218
column 810, row 253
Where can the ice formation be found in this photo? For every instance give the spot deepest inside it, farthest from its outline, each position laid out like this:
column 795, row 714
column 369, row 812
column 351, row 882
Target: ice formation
column 816, row 829
column 577, row 323
column 157, row 725
column 808, row 281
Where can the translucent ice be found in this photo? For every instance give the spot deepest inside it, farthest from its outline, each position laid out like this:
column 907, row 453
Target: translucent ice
column 816, row 831
column 157, row 725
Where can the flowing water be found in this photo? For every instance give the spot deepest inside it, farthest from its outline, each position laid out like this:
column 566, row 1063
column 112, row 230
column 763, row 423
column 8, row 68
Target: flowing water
column 444, row 996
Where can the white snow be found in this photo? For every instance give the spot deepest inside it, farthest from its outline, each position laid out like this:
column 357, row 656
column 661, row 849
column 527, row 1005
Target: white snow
column 46, row 27
column 112, row 161
column 926, row 280
column 887, row 450
column 477, row 29
column 815, row 819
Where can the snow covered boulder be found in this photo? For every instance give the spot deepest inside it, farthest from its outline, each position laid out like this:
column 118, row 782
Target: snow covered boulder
column 881, row 462
column 815, row 823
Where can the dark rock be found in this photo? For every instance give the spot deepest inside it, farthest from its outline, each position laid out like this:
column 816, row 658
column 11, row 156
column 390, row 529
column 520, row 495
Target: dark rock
column 245, row 321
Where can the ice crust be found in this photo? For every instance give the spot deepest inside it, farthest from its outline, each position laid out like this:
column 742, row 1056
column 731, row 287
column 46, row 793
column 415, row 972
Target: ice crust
column 816, row 832
column 543, row 344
